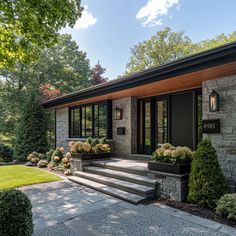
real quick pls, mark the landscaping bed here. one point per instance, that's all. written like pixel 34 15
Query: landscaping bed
pixel 195 210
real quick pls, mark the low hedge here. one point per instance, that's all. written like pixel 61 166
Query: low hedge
pixel 226 206
pixel 15 214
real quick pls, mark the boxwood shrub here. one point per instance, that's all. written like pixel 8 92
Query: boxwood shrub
pixel 15 214
pixel 6 153
pixel 226 206
pixel 206 181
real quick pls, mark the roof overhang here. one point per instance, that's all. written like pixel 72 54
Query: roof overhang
pixel 186 73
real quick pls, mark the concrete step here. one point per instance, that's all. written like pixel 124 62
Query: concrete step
pixel 141 190
pixel 123 195
pixel 140 157
pixel 123 166
pixel 133 178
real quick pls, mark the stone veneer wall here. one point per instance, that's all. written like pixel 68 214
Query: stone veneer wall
pixel 126 144
pixel 225 141
pixel 62 127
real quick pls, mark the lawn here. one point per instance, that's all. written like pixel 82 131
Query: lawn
pixel 18 176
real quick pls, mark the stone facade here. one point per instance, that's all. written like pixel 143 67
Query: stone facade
pixel 126 144
pixel 170 185
pixel 225 141
pixel 62 127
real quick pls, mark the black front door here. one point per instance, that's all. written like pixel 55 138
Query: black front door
pixel 182 119
pixel 173 118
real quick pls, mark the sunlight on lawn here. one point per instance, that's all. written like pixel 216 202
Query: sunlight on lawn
pixel 18 176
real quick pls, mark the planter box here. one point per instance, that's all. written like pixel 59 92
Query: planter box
pixel 91 156
pixel 179 169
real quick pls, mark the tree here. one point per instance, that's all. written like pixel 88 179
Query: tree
pixel 162 47
pixel 26 26
pixel 31 135
pixel 63 65
pixel 206 181
pixel 166 46
pixel 49 92
pixel 96 74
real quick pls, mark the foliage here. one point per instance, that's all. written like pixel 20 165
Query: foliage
pixel 162 47
pixel 49 92
pixel 34 158
pixel 15 214
pixel 206 182
pixel 31 133
pixel 96 74
pixel 57 155
pixel 170 154
pixel 6 153
pixel 49 154
pixel 167 45
pixel 90 146
pixel 14 176
pixel 42 163
pixel 27 26
pixel 226 206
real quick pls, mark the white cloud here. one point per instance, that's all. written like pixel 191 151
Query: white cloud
pixel 86 20
pixel 150 14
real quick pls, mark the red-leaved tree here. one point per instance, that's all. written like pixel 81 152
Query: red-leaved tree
pixel 48 92
pixel 96 74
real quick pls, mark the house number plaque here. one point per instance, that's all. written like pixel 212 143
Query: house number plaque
pixel 211 126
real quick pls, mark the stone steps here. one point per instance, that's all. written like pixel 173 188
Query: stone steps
pixel 123 195
pixel 138 189
pixel 133 178
pixel 123 168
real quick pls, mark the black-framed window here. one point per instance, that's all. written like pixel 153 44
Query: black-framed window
pixel 91 120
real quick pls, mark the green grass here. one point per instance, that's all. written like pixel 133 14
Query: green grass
pixel 18 176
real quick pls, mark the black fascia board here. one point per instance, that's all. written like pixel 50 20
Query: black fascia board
pixel 207 59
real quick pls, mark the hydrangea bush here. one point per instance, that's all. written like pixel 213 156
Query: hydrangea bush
pixel 90 146
pixel 170 154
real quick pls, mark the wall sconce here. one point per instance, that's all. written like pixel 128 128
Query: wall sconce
pixel 118 113
pixel 214 101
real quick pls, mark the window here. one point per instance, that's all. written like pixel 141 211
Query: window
pixel 91 120
pixel 162 122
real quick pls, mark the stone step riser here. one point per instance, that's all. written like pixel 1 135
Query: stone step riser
pixel 127 170
pixel 148 194
pixel 111 193
pixel 117 176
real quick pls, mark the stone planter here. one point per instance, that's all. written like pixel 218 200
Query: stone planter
pixel 91 156
pixel 178 169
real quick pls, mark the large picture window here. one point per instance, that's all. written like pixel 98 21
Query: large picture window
pixel 93 120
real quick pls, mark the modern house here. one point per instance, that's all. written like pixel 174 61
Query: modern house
pixel 178 102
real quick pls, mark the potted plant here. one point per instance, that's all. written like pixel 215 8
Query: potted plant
pixel 90 149
pixel 170 159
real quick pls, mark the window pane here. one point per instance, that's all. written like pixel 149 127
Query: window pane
pixel 162 122
pixel 147 130
pixel 88 123
pixel 96 121
pixel 76 122
pixel 102 126
pixel 83 121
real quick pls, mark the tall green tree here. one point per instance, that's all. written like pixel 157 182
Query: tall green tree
pixel 31 132
pixel 162 47
pixel 167 45
pixel 26 26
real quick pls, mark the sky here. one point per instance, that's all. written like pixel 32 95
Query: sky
pixel 109 28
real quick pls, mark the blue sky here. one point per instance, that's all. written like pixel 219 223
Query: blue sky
pixel 109 28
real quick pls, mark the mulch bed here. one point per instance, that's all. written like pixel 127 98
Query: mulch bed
pixel 196 210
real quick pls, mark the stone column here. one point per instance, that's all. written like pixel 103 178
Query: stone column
pixel 225 141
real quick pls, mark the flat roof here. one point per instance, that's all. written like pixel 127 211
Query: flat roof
pixel 196 62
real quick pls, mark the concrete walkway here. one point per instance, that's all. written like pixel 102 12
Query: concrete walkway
pixel 67 209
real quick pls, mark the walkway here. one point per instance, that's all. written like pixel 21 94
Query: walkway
pixel 67 209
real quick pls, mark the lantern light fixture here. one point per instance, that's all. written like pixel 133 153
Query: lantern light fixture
pixel 118 113
pixel 213 101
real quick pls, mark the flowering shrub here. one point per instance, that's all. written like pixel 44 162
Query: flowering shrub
pixel 170 154
pixel 34 158
pixel 89 146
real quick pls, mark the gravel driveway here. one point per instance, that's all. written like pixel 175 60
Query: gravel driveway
pixel 67 209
